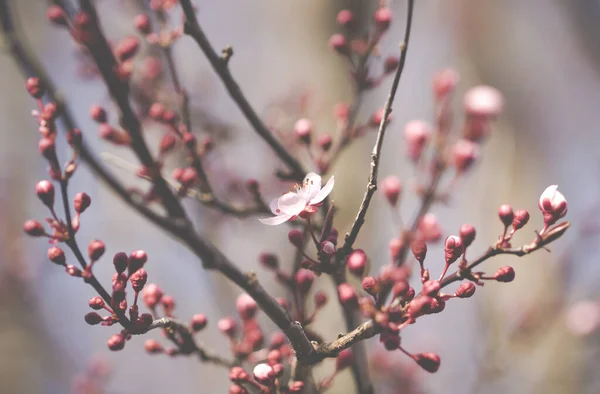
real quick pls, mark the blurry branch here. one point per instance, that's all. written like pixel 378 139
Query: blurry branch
pixel 220 65
pixel 211 257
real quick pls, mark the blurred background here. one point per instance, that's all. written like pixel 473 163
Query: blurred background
pixel 535 335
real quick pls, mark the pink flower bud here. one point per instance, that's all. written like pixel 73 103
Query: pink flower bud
pixel 246 306
pixel 237 389
pixel 96 303
pixel 467 234
pixel 453 248
pixel 506 215
pixel 392 187
pixel 227 326
pixel 505 274
pixel 96 249
pixel 116 342
pixel 56 255
pixel 93 318
pixel 394 246
pixel 465 290
pixel 56 15
pixel 73 271
pixel 45 192
pixel 296 387
pixel 390 64
pixel 344 359
pixel 269 261
pixel 238 375
pixel 520 220
pixel 127 48
pixel 264 374
pixel 137 259
pixel 347 295
pixel 430 362
pixel 81 202
pixel 152 295
pixel 156 111
pixel 190 141
pixel 142 23
pixel 74 137
pixel 429 228
pixel 34 228
pixel 341 111
pixel 138 280
pixel 419 250
pixel 320 299
pixel 35 88
pixel 167 143
pixel 370 285
pixel 357 262
pixel 400 288
pixel 295 237
pixel 382 18
pixel 444 83
pixel 483 101
pixel 339 43
pixel 98 114
pixel 121 262
pixel 47 148
pixel 153 347
pixel 168 303
pixel 431 288
pixel 199 321
pixel 325 142
pixel 553 205
pixel 390 340
pixel 303 130
pixel 416 135
pixel 464 154
pixel 304 280
pixel 344 18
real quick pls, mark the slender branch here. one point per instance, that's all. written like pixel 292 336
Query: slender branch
pixel 189 344
pixel 219 64
pixel 375 154
pixel 332 349
pixel 211 257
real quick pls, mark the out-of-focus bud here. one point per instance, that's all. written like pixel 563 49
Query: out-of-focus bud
pixel 347 295
pixel 464 154
pixel 357 262
pixel 444 83
pixel 392 188
pixel 339 43
pixel 303 130
pixel 199 321
pixel 483 101
pixel 246 306
pixel 416 135
pixel 382 18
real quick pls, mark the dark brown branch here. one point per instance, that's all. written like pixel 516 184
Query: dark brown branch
pixel 219 64
pixel 188 343
pixel 211 257
pixel 376 153
pixel 332 349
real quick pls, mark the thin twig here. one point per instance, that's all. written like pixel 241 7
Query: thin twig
pixel 220 65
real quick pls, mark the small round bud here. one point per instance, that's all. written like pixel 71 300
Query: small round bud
pixel 153 347
pixel 390 64
pixel 296 238
pixel 444 83
pixel 35 88
pixel 344 18
pixel 246 306
pixel 357 262
pixel 47 148
pixel 269 261
pixel 416 135
pixel 419 250
pixel 96 249
pixel 238 375
pixel 138 280
pixel 505 274
pixel 93 318
pixel 168 303
pixel 127 48
pixel 264 374
pixel 344 359
pixel 370 285
pixel 465 290
pixel 74 137
pixel 391 341
pixel 431 288
pixel 156 111
pixel 453 248
pixel 56 15
pixel 199 321
pixel 304 280
pixel 429 228
pixel 506 215
pixel 339 43
pixel 57 255
pixel 116 342
pixel 347 295
pixel 520 220
pixel 382 18
pixel 303 130
pixel 392 187
pixel 121 262
pixel 483 101
pixel 137 259
pixel 430 362
pixel 34 228
pixel 96 303
pixel 400 288
pixel 142 23
pixel 467 234
pixel 81 202
pixel 45 192
pixel 98 114
pixel 325 142
pixel 152 295
pixel 464 154
pixel 237 389
pixel 320 299
pixel 73 271
pixel 227 326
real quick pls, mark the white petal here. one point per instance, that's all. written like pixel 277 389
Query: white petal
pixel 291 203
pixel 274 207
pixel 324 192
pixel 275 220
pixel 547 194
pixel 311 185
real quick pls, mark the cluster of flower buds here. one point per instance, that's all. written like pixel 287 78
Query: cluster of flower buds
pixel 106 130
pixel 265 378
pixel 164 38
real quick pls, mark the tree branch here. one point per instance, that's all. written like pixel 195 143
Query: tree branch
pixel 219 64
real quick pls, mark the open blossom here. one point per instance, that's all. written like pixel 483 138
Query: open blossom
pixel 552 204
pixel 305 198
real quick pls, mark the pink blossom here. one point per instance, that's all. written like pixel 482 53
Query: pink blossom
pixel 304 199
pixel 416 135
pixel 484 101
pixel 552 204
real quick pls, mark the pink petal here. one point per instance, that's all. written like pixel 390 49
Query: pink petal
pixel 291 203
pixel 275 220
pixel 324 192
